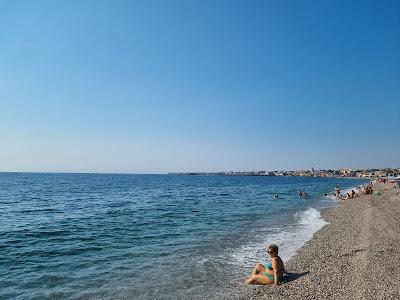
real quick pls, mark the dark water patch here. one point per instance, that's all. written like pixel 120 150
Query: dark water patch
pixel 168 196
pixel 162 209
pixel 41 210
pixel 58 252
pixel 47 233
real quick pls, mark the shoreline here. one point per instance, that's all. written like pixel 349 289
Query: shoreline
pixel 357 253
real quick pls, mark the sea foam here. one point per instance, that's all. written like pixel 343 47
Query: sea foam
pixel 289 239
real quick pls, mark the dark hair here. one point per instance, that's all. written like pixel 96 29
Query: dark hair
pixel 274 248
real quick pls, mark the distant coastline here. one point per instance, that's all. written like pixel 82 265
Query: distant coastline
pixel 341 173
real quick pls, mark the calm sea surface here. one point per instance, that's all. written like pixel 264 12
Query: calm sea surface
pixel 103 236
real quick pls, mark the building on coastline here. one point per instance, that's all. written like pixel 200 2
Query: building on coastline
pixel 361 173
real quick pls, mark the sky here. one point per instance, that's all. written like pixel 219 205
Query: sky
pixel 175 86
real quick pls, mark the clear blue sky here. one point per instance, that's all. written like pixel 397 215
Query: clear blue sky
pixel 159 86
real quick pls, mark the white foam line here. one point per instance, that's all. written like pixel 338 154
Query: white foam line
pixel 289 239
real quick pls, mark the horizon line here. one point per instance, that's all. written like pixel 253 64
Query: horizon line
pixel 185 172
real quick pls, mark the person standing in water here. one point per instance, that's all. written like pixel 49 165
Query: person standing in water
pixel 302 194
pixel 337 191
pixel 272 273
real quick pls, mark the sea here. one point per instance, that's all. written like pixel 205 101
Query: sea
pixel 123 236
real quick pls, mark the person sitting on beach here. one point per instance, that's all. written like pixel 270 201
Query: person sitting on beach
pixel 360 190
pixel 363 189
pixel 368 189
pixel 353 193
pixel 272 273
pixel 347 197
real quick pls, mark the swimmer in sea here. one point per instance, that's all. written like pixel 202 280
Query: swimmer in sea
pixel 302 193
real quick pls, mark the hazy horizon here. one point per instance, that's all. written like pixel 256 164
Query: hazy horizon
pixel 192 171
pixel 177 86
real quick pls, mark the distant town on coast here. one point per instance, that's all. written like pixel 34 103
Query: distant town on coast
pixel 361 173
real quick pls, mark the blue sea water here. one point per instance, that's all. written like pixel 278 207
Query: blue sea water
pixel 109 236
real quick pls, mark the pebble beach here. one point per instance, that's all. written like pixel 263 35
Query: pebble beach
pixel 355 256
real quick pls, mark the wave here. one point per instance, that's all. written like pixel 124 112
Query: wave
pixel 289 238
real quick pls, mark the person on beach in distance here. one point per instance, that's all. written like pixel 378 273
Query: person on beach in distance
pixel 337 191
pixel 360 190
pixel 272 273
pixel 368 189
pixel 347 197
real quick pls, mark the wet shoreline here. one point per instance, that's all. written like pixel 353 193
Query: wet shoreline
pixel 355 256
